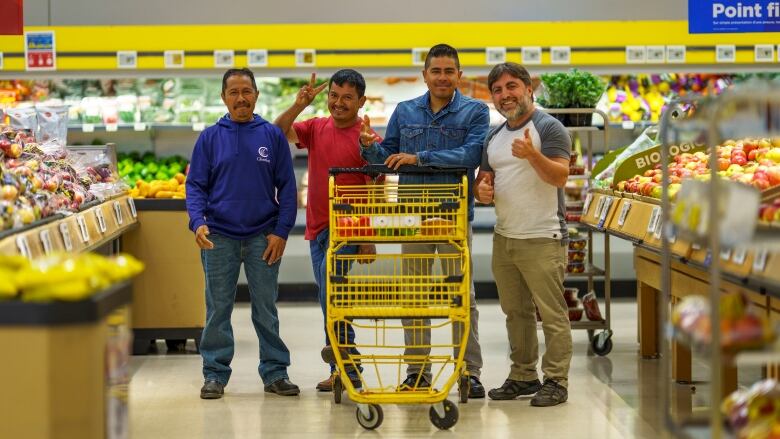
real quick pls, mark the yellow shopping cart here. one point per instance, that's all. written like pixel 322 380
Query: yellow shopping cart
pixel 406 309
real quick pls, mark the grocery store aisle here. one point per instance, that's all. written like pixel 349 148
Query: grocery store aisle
pixel 610 397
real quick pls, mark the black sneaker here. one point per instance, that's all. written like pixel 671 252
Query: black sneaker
pixel 476 389
pixel 212 390
pixel 411 383
pixel 551 394
pixel 283 387
pixel 511 389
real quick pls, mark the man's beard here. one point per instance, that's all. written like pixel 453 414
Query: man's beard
pixel 519 112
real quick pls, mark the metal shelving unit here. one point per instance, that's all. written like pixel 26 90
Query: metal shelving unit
pixel 600 343
pixel 711 127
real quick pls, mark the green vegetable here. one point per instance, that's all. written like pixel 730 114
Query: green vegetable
pixel 576 89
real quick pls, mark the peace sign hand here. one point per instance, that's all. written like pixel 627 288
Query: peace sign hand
pixel 308 92
pixel 367 137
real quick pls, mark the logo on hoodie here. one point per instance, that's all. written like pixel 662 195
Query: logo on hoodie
pixel 262 152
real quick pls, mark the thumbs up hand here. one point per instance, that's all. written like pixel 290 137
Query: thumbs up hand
pixel 523 148
pixel 483 190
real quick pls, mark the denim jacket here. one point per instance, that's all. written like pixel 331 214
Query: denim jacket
pixel 452 138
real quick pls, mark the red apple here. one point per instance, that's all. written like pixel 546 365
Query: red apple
pixel 769 213
pixel 739 159
pixel 773 174
pixel 760 184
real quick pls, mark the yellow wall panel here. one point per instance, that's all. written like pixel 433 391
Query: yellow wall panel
pixel 403 36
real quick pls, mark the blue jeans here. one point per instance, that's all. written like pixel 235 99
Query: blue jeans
pixel 319 252
pixel 221 266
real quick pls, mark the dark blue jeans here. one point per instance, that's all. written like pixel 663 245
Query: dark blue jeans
pixel 221 266
pixel 319 252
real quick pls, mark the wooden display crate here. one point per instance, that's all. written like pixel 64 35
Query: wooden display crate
pixel 631 218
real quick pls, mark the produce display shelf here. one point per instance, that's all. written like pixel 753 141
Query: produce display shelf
pixel 584 176
pixel 162 204
pixel 31 226
pixel 109 237
pixel 93 309
pixel 737 357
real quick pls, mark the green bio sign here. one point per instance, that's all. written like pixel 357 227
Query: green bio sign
pixel 640 162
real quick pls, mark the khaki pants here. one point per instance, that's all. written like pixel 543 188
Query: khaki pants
pixel 529 271
pixel 473 354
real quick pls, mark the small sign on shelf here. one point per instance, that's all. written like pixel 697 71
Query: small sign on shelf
pixel 224 59
pixel 127 59
pixel 636 54
pixel 257 57
pixel 418 56
pixel 531 55
pixel 305 57
pixel 174 59
pixel 725 53
pixel 560 55
pixel 65 233
pixel 495 55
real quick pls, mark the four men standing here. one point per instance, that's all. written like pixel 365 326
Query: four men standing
pixel 242 208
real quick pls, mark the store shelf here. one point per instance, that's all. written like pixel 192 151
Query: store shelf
pixel 735 357
pixel 590 271
pixel 585 176
pixel 16 312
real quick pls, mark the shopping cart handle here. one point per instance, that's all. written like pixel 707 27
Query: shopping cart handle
pixel 375 170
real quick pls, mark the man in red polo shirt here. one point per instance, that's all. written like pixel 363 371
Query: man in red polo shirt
pixel 331 142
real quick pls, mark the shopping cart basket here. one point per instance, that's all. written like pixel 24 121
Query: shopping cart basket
pixel 400 296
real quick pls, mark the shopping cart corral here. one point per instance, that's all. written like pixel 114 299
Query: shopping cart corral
pixel 407 307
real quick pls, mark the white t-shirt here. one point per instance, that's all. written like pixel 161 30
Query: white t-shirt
pixel 526 206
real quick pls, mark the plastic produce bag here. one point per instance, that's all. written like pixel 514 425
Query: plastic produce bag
pixel 52 124
pixel 23 119
pixel 645 141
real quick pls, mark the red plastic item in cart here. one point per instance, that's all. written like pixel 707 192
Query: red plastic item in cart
pixel 591 306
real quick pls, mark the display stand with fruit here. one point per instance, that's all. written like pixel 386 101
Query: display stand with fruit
pixel 584 221
pixel 715 207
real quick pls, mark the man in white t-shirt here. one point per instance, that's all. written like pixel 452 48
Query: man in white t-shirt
pixel 525 165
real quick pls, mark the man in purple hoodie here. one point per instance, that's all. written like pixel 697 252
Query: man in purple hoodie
pixel 241 199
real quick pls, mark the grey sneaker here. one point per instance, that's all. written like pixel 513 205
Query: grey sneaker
pixel 212 390
pixel 551 394
pixel 511 389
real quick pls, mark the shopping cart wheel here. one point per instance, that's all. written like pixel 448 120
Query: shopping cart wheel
pixel 602 343
pixel 444 414
pixel 369 416
pixel 464 387
pixel 338 388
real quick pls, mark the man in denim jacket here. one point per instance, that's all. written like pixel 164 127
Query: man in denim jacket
pixel 441 128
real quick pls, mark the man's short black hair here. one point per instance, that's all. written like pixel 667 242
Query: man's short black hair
pixel 238 72
pixel 513 69
pixel 442 50
pixel 351 77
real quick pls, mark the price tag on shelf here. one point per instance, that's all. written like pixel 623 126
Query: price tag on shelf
pixel 759 263
pixel 599 207
pixel 82 222
pixel 586 204
pixel 605 211
pixel 628 125
pixel 725 254
pixel 696 246
pixel 46 241
pixel 198 126
pixel 88 128
pixel 24 246
pixel 66 241
pixel 111 127
pixel 139 126
pixel 739 256
pixel 654 218
pixel 131 203
pixel 118 213
pixel 101 220
pixel 624 213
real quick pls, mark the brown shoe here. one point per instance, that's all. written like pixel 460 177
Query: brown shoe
pixel 326 385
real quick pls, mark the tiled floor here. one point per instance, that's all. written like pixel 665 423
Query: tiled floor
pixel 610 397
